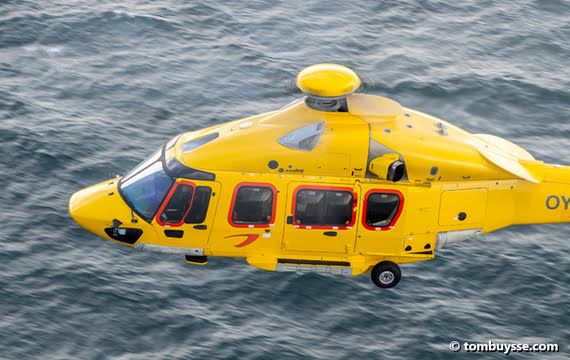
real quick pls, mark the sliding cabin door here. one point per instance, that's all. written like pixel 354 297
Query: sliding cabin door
pixel 321 218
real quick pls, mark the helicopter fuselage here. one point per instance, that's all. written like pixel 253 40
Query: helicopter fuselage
pixel 337 182
pixel 243 190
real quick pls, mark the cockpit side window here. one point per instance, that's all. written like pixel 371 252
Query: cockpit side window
pixel 196 143
pixel 199 208
pixel 305 138
pixel 177 204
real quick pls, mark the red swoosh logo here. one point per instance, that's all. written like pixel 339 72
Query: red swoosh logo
pixel 250 238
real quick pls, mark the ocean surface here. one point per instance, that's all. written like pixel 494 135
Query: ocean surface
pixel 89 88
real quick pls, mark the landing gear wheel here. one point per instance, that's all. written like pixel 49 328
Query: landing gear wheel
pixel 386 274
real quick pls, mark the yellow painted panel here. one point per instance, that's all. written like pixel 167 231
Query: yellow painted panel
pixel 418 243
pixel 473 203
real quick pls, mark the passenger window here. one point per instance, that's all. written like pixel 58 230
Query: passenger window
pixel 253 205
pixel 324 208
pixel 199 208
pixel 178 204
pixel 381 209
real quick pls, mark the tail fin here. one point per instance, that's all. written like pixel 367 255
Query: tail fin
pixel 508 156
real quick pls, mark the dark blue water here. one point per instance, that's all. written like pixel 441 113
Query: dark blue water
pixel 89 88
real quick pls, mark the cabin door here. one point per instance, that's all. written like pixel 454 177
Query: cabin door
pixel 186 216
pixel 321 217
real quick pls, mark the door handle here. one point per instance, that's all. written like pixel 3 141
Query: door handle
pixel 200 227
pixel 330 233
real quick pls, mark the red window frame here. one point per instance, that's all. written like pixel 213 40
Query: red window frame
pixel 167 199
pixel 392 224
pixel 325 188
pixel 233 203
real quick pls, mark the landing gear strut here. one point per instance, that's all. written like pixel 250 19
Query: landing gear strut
pixel 386 274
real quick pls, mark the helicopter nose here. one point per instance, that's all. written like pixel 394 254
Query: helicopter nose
pixel 90 207
pixel 101 210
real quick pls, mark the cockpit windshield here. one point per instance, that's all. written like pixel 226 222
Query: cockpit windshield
pixel 146 190
pixel 145 187
pixel 144 164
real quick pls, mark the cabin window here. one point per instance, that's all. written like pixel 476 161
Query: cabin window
pixel 305 138
pixel 253 205
pixel 382 209
pixel 196 143
pixel 315 207
pixel 199 208
pixel 177 204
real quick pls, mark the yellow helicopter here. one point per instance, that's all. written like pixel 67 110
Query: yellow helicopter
pixel 337 182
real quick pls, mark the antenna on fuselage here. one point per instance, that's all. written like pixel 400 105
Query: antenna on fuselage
pixel 327 86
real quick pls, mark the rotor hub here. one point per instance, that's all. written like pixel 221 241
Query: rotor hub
pixel 328 81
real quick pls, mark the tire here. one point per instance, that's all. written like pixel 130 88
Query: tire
pixel 386 274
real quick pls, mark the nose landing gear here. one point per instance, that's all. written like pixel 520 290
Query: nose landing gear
pixel 386 274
